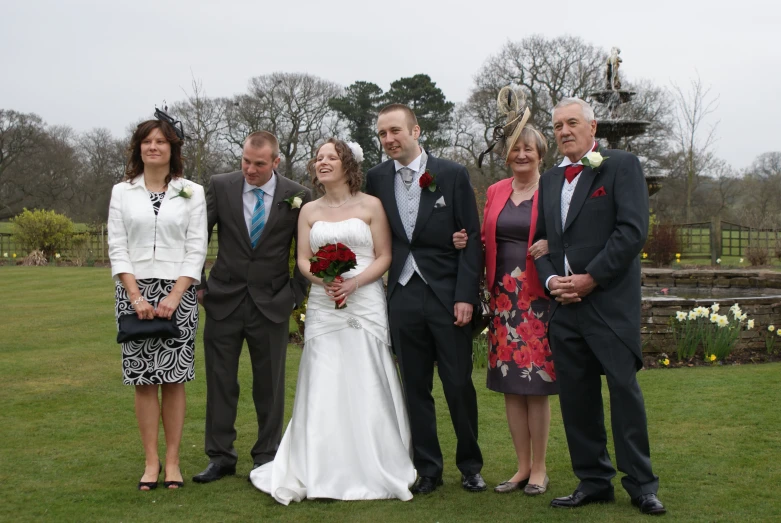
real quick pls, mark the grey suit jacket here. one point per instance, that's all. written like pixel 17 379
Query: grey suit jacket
pixel 263 272
pixel 606 228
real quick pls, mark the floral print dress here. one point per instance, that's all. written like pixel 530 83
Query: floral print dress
pixel 519 359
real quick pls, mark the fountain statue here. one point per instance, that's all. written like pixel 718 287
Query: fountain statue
pixel 614 128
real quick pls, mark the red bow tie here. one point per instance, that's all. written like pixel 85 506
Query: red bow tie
pixel 571 171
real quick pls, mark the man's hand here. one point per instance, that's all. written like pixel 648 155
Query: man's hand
pixel 571 289
pixel 463 313
pixel 460 238
pixel 539 248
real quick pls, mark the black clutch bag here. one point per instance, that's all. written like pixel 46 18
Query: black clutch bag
pixel 133 329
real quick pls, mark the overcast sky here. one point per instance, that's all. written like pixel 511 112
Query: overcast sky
pixel 107 63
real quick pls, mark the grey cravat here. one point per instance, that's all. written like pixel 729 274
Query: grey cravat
pixel 407 175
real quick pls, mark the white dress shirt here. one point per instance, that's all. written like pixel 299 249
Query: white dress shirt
pixel 250 200
pixel 567 190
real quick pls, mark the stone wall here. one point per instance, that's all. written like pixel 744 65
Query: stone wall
pixel 764 308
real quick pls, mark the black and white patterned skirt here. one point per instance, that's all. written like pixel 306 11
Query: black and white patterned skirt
pixel 156 361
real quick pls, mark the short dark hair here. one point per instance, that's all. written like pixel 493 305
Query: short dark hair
pixel 261 139
pixel 412 120
pixel 135 164
pixel 351 167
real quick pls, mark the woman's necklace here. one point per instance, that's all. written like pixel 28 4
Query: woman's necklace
pixel 527 189
pixel 337 206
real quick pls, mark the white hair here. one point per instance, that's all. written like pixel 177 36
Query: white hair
pixel 588 112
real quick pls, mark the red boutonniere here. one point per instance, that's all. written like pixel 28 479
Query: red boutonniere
pixel 428 181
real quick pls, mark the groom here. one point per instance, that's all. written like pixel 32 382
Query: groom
pixel 593 210
pixel 432 290
pixel 249 297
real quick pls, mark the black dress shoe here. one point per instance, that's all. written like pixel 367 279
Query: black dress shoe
pixel 473 482
pixel 579 499
pixel 649 504
pixel 426 485
pixel 214 472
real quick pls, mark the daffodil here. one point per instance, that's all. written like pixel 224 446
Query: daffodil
pixel 13 255
pixel 693 315
pixel 645 255
pixel 665 362
pixel 677 254
pixel 485 331
pixel 722 321
pixel 750 324
pixel 741 260
pixel 715 307
pixel 303 317
pixel 778 332
pixel 712 357
pixel 57 255
pixel 771 328
pixel 718 260
pixel 5 255
pixel 680 316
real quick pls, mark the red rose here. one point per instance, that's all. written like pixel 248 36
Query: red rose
pixel 524 302
pixel 550 369
pixel 501 335
pixel 538 327
pixel 522 357
pixel 329 248
pixel 537 352
pixel 343 256
pixel 342 246
pixel 425 180
pixel 524 330
pixel 509 283
pixel 497 322
pixel 503 303
pixel 504 352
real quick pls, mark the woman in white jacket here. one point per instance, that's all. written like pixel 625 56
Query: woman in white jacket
pixel 157 245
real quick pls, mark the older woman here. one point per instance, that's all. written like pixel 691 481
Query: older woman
pixel 157 246
pixel 520 360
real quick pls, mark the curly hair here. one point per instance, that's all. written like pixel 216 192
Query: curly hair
pixel 135 165
pixel 351 168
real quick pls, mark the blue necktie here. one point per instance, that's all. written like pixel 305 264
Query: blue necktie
pixel 258 218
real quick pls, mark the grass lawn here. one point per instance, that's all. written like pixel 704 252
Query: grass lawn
pixel 71 451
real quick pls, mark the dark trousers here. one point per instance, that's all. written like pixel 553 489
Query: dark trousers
pixel 584 347
pixel 223 341
pixel 423 332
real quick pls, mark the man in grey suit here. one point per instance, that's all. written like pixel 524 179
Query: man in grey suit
pixel 593 210
pixel 249 295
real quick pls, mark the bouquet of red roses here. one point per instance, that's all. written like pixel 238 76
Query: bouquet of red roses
pixel 330 262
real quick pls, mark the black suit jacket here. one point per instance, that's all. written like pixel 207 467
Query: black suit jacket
pixel 263 272
pixel 603 236
pixel 452 274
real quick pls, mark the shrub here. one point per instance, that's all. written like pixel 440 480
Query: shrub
pixel 79 251
pixel 35 258
pixel 42 230
pixel 662 244
pixel 758 255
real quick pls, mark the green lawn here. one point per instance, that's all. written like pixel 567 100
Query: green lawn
pixel 71 451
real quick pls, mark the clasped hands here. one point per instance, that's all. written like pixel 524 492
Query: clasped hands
pixel 539 248
pixel 339 289
pixel 570 289
pixel 165 309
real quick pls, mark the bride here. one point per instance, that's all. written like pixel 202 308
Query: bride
pixel 349 436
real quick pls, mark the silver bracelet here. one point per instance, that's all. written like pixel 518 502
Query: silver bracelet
pixel 138 300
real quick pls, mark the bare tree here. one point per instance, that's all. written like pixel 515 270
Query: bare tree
pixel 694 137
pixel 20 134
pixel 204 121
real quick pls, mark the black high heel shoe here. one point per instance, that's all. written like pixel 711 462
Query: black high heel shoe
pixel 150 485
pixel 177 484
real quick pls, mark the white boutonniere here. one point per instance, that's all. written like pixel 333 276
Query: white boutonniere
pixel 295 201
pixel 593 159
pixel 185 191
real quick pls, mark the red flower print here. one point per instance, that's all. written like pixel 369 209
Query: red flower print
pixel 497 322
pixel 537 352
pixel 504 352
pixel 503 303
pixel 501 335
pixel 550 369
pixel 492 359
pixel 524 301
pixel 522 357
pixel 538 327
pixel 509 283
pixel 492 303
pixel 524 330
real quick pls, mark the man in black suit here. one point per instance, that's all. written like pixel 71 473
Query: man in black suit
pixel 249 296
pixel 593 210
pixel 432 291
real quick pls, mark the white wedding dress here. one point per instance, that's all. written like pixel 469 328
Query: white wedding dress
pixel 349 436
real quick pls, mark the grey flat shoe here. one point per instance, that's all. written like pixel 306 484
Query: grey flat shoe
pixel 535 490
pixel 510 486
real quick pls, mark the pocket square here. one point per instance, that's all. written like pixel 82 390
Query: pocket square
pixel 599 192
pixel 440 203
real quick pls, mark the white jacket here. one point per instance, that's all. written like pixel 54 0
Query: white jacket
pixel 166 246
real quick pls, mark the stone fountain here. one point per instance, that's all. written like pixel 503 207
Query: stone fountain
pixel 614 128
